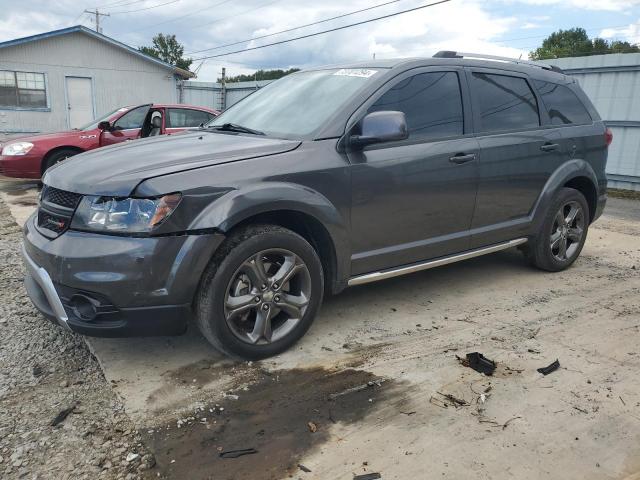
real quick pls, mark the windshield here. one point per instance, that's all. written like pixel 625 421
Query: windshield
pixel 298 104
pixel 94 123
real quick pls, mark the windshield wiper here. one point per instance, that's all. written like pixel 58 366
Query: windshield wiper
pixel 233 127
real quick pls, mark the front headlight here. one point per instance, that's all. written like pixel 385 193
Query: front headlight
pixel 123 215
pixel 17 148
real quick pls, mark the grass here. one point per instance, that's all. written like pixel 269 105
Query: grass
pixel 628 194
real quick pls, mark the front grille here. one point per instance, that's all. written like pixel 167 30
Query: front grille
pixel 60 197
pixel 56 210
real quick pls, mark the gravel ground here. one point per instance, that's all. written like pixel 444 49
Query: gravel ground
pixel 43 371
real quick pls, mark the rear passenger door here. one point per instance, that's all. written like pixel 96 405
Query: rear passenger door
pixel 517 154
pixel 179 119
pixel 414 199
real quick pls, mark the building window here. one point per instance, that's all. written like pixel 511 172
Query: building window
pixel 22 89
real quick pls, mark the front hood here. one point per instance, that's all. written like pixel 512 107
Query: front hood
pixel 74 134
pixel 118 169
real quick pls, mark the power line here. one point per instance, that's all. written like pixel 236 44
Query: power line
pixel 217 20
pixel 145 8
pixel 326 31
pixel 118 3
pixel 176 19
pixel 295 28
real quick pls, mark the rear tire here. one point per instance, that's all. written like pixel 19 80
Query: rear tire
pixel 564 231
pixel 56 157
pixel 241 306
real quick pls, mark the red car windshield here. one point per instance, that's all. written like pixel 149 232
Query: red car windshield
pixel 94 123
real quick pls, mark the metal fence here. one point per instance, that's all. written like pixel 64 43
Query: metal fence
pixel 612 82
pixel 212 95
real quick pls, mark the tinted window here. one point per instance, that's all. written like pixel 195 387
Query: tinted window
pixel 506 103
pixel 183 117
pixel 132 119
pixel 563 105
pixel 431 102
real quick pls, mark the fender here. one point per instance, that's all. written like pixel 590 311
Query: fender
pixel 564 173
pixel 238 205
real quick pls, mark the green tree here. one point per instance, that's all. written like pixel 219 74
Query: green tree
pixel 168 49
pixel 261 75
pixel 575 42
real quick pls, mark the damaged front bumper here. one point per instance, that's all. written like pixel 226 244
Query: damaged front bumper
pixel 116 286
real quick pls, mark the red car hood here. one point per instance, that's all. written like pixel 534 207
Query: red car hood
pixel 71 134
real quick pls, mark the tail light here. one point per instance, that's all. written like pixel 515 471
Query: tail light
pixel 608 136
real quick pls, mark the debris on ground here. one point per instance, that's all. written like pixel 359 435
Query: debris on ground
pixel 478 362
pixel 303 468
pixel 132 456
pixel 63 414
pixel 313 428
pixel 368 476
pixel 238 453
pixel 550 368
pixel 356 389
pixel 448 400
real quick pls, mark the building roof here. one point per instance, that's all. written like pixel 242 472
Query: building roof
pixel 87 31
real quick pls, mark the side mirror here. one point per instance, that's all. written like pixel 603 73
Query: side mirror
pixel 104 125
pixel 380 127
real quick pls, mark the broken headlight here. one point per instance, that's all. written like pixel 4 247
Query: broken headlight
pixel 123 215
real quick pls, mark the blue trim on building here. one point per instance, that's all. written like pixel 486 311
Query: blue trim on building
pixel 99 36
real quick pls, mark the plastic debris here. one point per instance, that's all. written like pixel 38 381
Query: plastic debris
pixel 549 369
pixel 368 476
pixel 303 468
pixel 478 362
pixel 238 453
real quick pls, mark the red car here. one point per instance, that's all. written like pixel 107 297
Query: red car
pixel 29 157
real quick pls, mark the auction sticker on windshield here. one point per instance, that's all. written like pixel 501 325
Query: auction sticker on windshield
pixel 355 72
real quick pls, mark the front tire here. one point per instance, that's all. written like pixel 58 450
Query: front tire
pixel 56 157
pixel 260 292
pixel 563 232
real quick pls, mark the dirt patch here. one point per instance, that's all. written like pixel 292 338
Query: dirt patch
pixel 282 415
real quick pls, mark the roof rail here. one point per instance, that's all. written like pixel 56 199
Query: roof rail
pixel 482 56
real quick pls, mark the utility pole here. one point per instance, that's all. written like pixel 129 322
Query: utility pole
pixel 97 15
pixel 223 89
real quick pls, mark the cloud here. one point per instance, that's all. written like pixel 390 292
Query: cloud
pixel 612 5
pixel 464 25
pixel 630 33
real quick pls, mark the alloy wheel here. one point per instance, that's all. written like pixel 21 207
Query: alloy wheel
pixel 567 231
pixel 267 296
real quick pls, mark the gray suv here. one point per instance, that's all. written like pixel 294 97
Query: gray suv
pixel 327 178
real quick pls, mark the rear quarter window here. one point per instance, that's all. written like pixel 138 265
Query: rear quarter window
pixel 564 106
pixel 506 103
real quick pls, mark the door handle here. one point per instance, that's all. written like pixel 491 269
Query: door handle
pixel 549 147
pixel 461 158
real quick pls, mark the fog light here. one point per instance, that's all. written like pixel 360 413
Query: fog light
pixel 84 307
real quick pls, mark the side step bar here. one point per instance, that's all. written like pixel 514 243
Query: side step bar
pixel 416 267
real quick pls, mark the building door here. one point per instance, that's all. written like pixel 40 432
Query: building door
pixel 79 101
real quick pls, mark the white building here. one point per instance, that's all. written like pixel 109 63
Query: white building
pixel 66 78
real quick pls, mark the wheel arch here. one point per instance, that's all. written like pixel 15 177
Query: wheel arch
pixel 300 209
pixel 576 174
pixel 46 156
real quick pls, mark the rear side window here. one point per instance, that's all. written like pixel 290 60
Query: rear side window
pixel 563 105
pixel 506 103
pixel 431 102
pixel 184 117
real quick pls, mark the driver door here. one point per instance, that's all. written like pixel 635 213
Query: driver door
pixel 127 127
pixel 414 199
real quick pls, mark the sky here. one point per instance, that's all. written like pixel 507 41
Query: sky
pixel 500 27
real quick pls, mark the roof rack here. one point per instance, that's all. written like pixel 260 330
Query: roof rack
pixel 482 56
